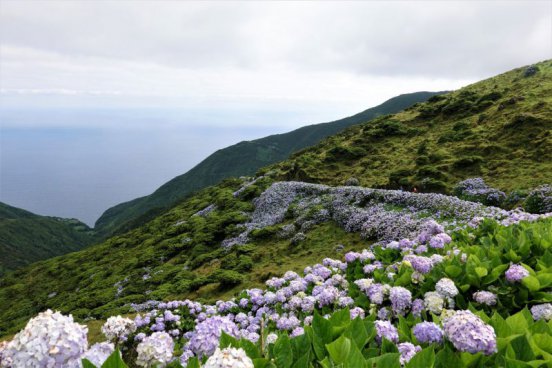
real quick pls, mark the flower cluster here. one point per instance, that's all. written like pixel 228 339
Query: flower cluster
pixel 117 329
pixel 469 333
pixel 229 358
pixel 155 350
pixel 516 273
pixel 48 340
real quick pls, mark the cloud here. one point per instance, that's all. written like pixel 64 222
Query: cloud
pixel 248 54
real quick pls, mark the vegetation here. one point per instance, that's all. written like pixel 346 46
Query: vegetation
pixel 26 238
pixel 499 129
pixel 244 158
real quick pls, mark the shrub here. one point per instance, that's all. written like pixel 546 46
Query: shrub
pixel 352 181
pixel 539 200
pixel 467 162
pixel 476 190
pixel 227 278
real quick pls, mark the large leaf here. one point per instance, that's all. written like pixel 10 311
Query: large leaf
pixel 114 361
pixel 339 350
pixel 424 358
pixel 283 352
pixel 87 364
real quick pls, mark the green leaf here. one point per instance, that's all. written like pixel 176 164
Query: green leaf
pixel 517 323
pixel 194 363
pixel 389 360
pixel 388 347
pixel 322 335
pixel 481 271
pixel 283 352
pixel 257 363
pixel 453 271
pixel 339 349
pixel 531 283
pixel 251 349
pixel 302 362
pixel 87 364
pixel 446 358
pixel 357 333
pixel 512 363
pixel 522 348
pixel 424 358
pixel 114 361
pixel 227 340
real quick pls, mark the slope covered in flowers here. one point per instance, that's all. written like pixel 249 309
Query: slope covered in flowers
pixel 477 297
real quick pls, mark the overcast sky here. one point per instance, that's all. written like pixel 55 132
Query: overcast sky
pixel 247 55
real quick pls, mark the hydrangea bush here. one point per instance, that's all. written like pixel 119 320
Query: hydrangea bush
pixel 458 287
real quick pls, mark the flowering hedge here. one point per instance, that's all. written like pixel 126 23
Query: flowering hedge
pixel 461 300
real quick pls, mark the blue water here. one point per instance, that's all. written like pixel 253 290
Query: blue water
pixel 78 163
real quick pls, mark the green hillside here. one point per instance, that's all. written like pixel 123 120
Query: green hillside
pixel 26 238
pixel 244 158
pixel 498 128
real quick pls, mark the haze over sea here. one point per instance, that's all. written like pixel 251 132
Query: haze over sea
pixel 77 163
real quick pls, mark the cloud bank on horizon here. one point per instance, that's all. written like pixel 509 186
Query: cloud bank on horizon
pixel 248 55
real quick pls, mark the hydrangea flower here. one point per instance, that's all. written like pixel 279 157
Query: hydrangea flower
pixel 407 350
pixel 401 299
pixel 446 288
pixel 117 328
pixel 428 332
pixel 229 358
pixel 387 330
pixel 434 302
pixel 516 273
pixel 469 333
pixel 98 353
pixel 206 335
pixel 155 350
pixel 421 264
pixel 485 297
pixel 49 340
pixel 542 311
pixel 417 307
pixel 271 338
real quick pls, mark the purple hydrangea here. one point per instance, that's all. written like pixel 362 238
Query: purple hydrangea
pixel 417 308
pixel 205 337
pixel 516 273
pixel 469 333
pixel 407 350
pixel 542 311
pixel 401 299
pixel 387 330
pixel 421 264
pixel 428 332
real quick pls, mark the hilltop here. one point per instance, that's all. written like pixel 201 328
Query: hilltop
pixel 499 129
pixel 26 237
pixel 241 159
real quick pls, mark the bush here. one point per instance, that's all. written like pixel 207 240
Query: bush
pixel 539 200
pixel 476 190
pixel 352 182
pixel 467 162
pixel 227 278
pixel 344 153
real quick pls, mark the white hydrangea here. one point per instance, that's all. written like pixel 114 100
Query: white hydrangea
pixel 271 338
pixel 5 359
pixel 49 340
pixel 98 353
pixel 446 288
pixel 433 302
pixel 155 350
pixel 117 328
pixel 229 358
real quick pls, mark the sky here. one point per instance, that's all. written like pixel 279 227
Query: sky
pixel 133 93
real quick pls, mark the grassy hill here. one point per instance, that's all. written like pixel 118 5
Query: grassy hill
pixel 244 158
pixel 499 128
pixel 26 237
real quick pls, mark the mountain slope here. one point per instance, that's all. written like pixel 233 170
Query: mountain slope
pixel 289 225
pixel 499 129
pixel 26 237
pixel 243 158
